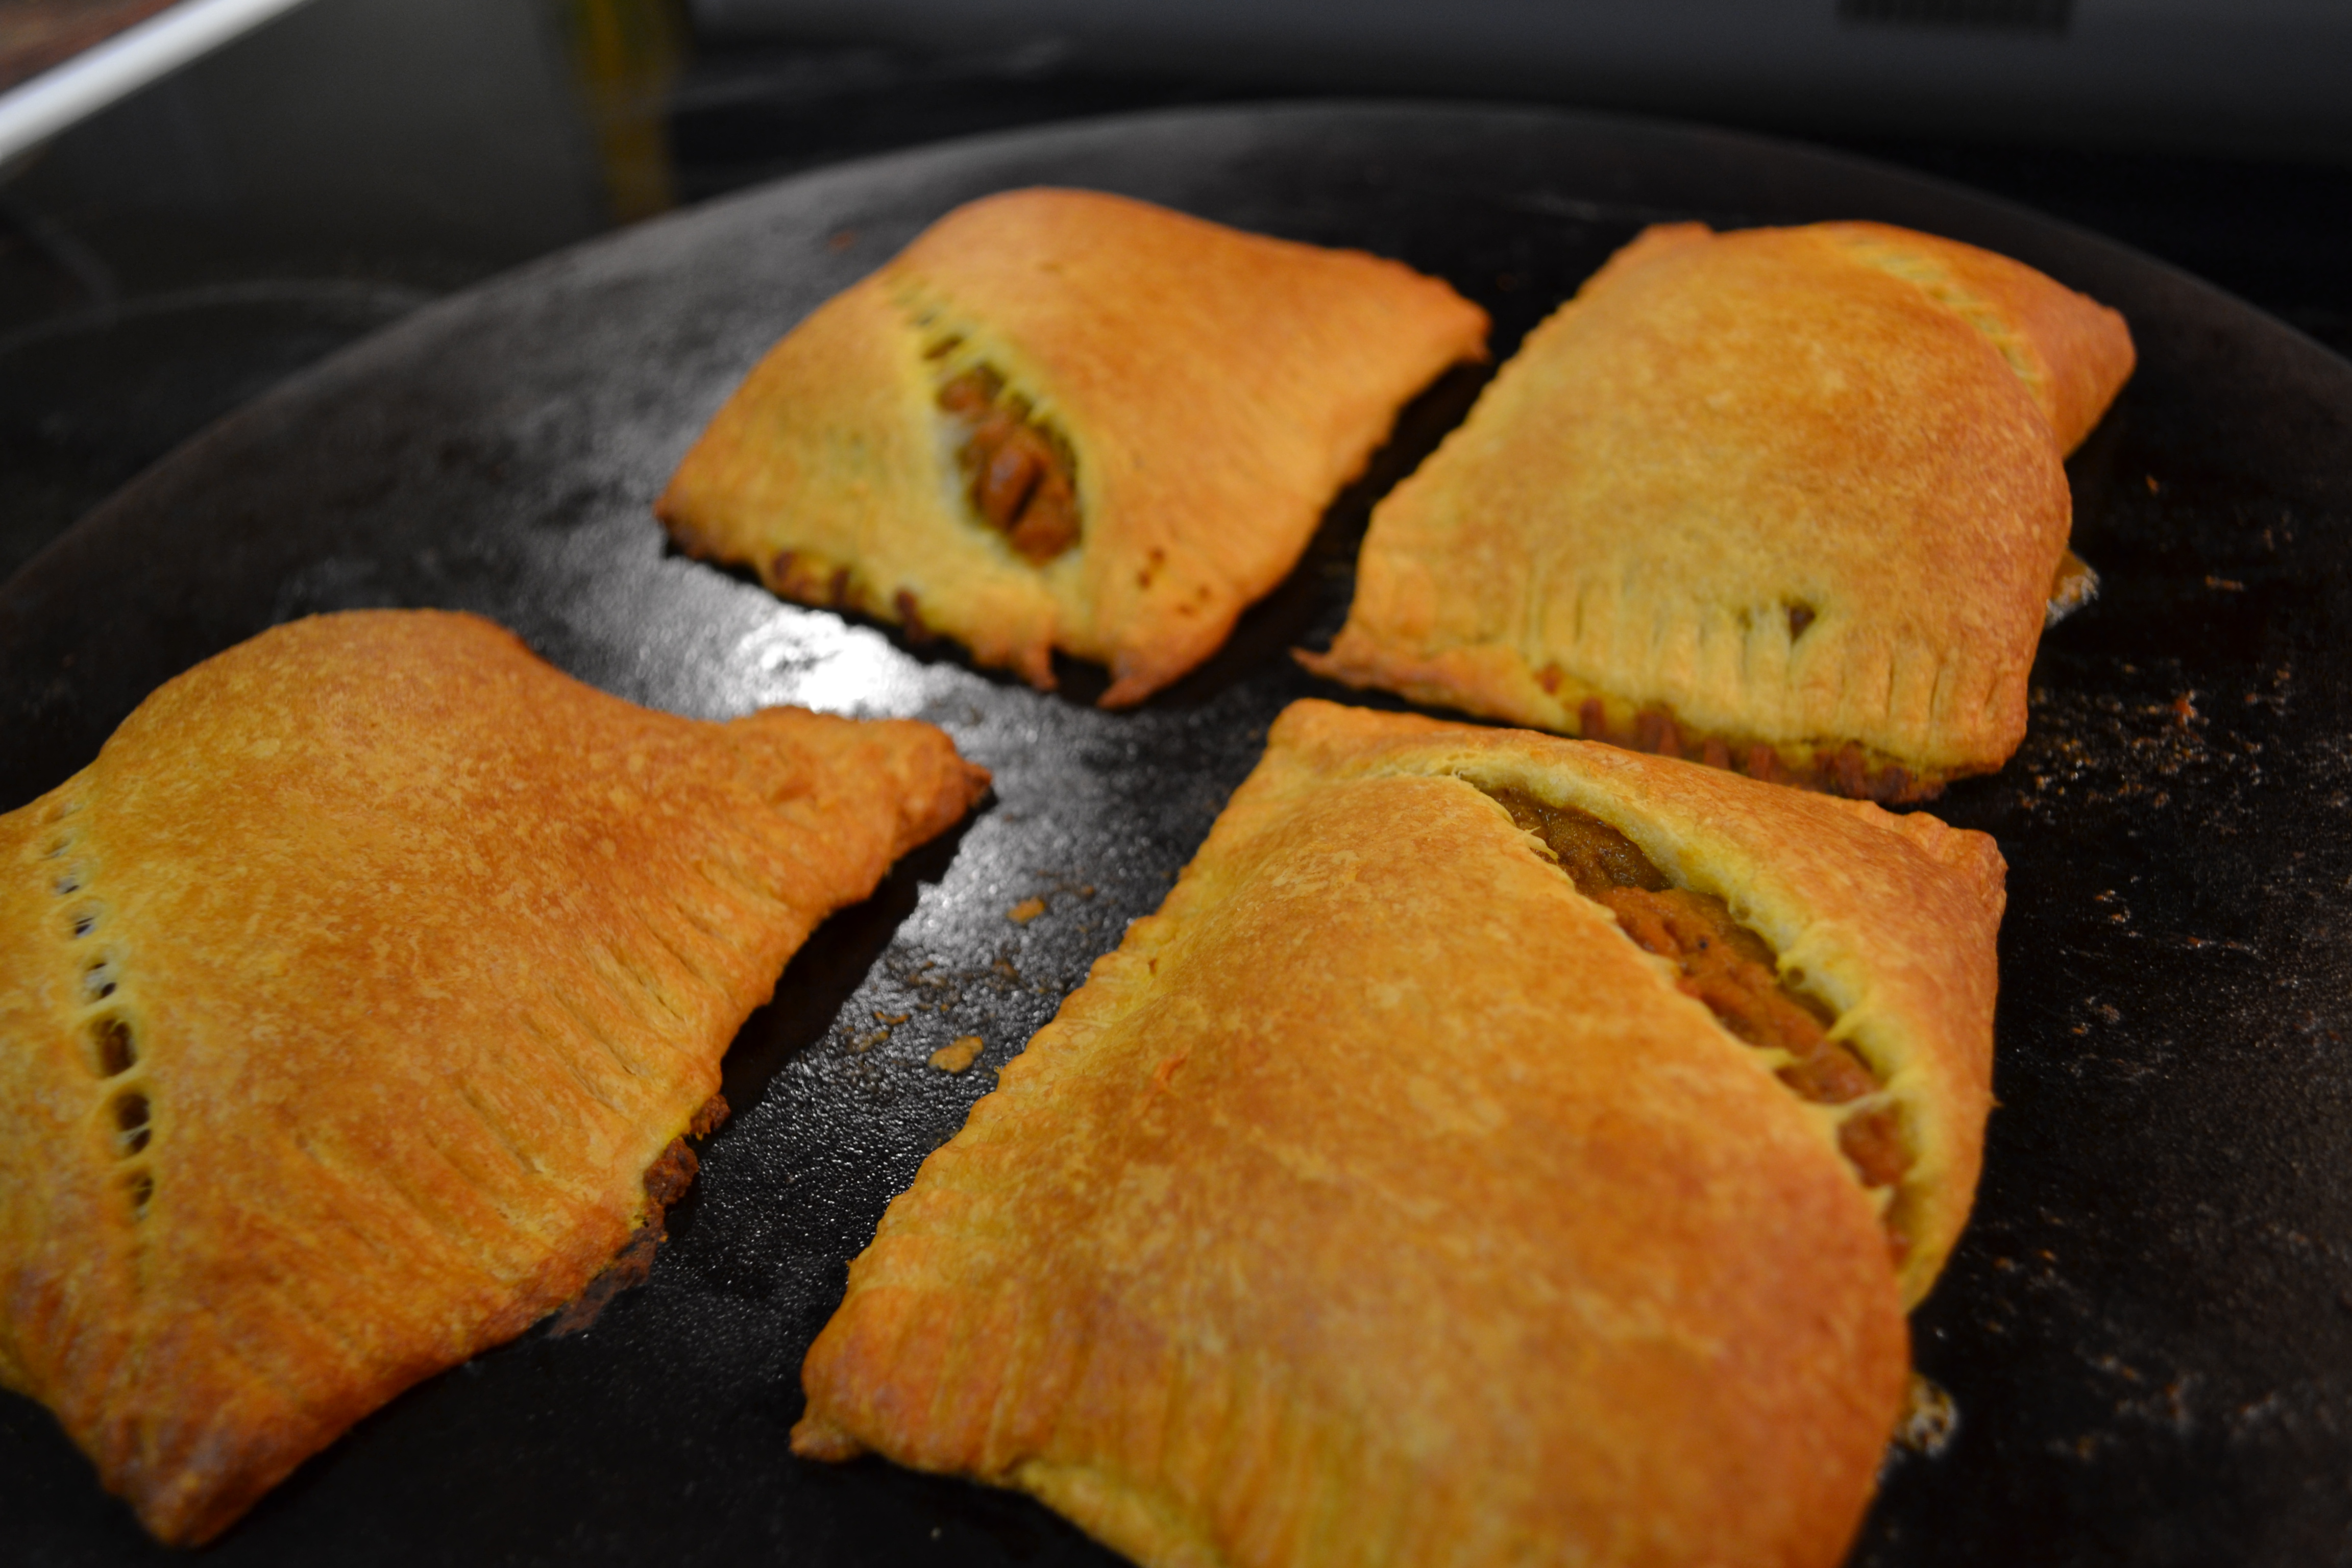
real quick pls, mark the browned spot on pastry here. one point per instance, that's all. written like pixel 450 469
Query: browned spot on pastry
pixel 1846 773
pixel 629 1268
pixel 1550 678
pixel 1019 474
pixel 1893 783
pixel 666 1180
pixel 1801 615
pixel 1849 769
pixel 1723 964
pixel 708 1120
pixel 793 574
pixel 1592 718
pixel 1656 731
pixel 669 1176
pixel 1027 909
pixel 910 616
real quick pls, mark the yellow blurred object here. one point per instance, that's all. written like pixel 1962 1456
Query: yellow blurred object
pixel 625 56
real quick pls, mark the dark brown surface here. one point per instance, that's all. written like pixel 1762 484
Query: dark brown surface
pixel 37 35
pixel 2145 1331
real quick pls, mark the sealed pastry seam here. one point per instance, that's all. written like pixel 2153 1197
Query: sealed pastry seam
pixel 1836 1116
pixel 1809 958
pixel 1923 272
pixel 122 1120
pixel 1927 1209
pixel 958 352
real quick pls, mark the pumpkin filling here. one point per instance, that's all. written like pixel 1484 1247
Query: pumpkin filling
pixel 1848 770
pixel 1723 964
pixel 1017 473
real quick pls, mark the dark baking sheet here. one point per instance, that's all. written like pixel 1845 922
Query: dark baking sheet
pixel 2148 1328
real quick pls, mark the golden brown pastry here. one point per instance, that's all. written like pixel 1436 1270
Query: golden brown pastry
pixel 1381 1200
pixel 351 1000
pixel 1065 420
pixel 1790 501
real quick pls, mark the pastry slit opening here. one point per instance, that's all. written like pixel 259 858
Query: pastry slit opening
pixel 1928 276
pixel 131 1122
pixel 1729 967
pixel 1019 473
pixel 112 1051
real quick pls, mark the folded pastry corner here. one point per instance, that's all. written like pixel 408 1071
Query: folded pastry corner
pixel 1497 1148
pixel 355 999
pixel 1786 500
pixel 1062 419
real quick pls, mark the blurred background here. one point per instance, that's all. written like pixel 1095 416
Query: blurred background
pixel 323 168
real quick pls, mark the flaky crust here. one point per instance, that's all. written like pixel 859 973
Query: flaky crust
pixel 1216 388
pixel 1796 489
pixel 422 953
pixel 1378 1201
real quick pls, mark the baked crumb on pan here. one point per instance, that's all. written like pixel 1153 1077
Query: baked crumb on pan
pixel 1788 501
pixel 1065 420
pixel 353 1000
pixel 1392 1195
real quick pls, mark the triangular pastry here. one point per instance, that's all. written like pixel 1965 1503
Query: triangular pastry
pixel 1067 420
pixel 1788 501
pixel 1498 1148
pixel 351 1003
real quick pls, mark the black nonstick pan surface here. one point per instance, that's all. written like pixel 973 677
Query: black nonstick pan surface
pixel 2146 1332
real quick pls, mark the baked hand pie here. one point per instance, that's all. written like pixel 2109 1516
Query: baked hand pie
pixel 1498 1148
pixel 1789 500
pixel 1067 420
pixel 353 1001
